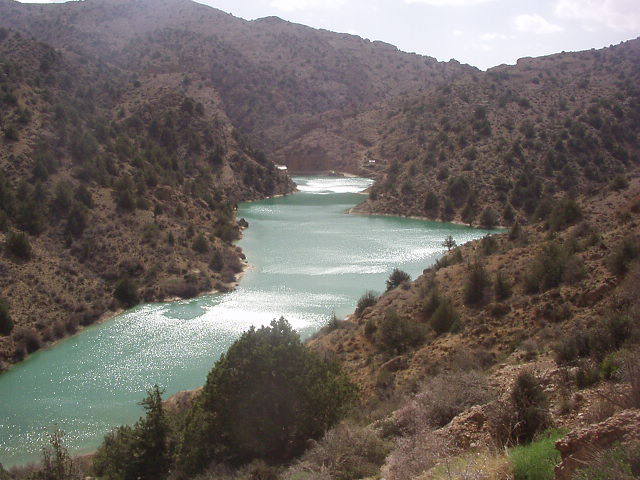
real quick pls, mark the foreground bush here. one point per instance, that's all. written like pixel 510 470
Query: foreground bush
pixel 264 399
pixel 537 460
pixel 531 407
pixel 346 452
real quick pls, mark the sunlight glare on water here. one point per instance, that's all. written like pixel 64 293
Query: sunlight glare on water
pixel 308 259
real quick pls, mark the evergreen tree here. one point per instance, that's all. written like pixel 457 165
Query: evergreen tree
pixel 449 243
pixel 397 278
pixel 139 452
pixel 264 399
pixel 6 323
pixel 126 292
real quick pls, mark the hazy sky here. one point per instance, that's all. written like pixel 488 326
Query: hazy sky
pixel 483 33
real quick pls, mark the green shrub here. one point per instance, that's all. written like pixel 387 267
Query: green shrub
pixel 11 133
pixel 530 406
pixel 126 292
pixel 610 367
pixel 488 218
pixel 396 334
pixel 6 323
pixel 397 278
pixel 76 221
pixel 138 452
pixel 264 399
pixel 431 204
pixel 458 189
pixel 367 300
pixel 537 460
pixel 201 244
pixel 587 375
pixel 501 286
pixel 623 254
pixel 619 182
pixel 217 261
pixel 475 285
pixel 445 318
pixel 488 245
pixel 18 245
pixel 27 339
pixel 553 265
pixel 515 233
pixel 565 213
pixel 431 302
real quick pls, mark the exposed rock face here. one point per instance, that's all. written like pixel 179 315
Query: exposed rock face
pixel 580 444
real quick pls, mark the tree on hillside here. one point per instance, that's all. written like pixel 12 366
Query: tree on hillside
pixel 57 464
pixel 126 292
pixel 139 452
pixel 449 243
pixel 6 323
pixel 18 245
pixel 264 399
pixel 397 278
pixel 476 283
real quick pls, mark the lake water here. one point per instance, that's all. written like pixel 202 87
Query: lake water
pixel 307 260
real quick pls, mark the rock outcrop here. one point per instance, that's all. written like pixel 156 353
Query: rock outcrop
pixel 580 444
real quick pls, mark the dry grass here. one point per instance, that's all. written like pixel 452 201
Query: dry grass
pixel 415 454
pixel 441 399
pixel 482 465
pixel 347 452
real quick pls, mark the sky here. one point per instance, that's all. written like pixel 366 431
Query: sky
pixel 483 33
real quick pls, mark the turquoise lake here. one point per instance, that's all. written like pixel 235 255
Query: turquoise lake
pixel 307 260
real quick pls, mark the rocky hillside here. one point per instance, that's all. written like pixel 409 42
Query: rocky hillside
pixel 275 78
pixel 492 147
pixel 522 333
pixel 111 184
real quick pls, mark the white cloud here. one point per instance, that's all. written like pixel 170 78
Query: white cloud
pixel 534 23
pixel 449 3
pixel 488 37
pixel 616 14
pixel 292 5
pixel 457 33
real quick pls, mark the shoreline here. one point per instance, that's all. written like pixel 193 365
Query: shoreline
pixel 353 211
pixel 108 315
